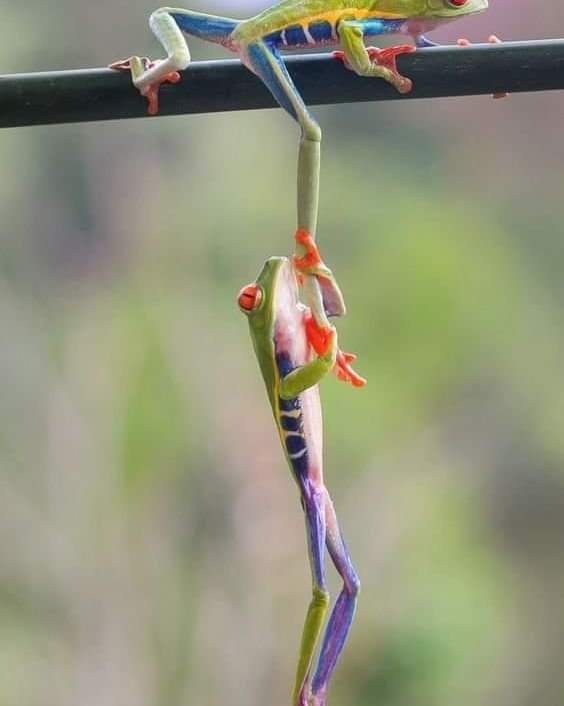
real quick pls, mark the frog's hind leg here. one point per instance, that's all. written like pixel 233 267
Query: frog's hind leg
pixel 265 61
pixel 343 612
pixel 313 501
pixel 169 25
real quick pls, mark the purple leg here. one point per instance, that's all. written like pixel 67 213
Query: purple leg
pixel 343 611
pixel 313 501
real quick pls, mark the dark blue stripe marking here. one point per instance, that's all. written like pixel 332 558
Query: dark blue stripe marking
pixel 290 423
pixel 300 465
pixel 321 31
pixel 284 363
pixel 285 367
pixel 295 36
pixel 295 444
pixel 289 405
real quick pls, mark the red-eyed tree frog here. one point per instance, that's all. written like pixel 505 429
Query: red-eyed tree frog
pixel 294 354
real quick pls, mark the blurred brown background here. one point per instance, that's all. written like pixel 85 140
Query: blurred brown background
pixel 152 549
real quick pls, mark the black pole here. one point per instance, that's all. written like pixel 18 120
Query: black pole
pixel 213 86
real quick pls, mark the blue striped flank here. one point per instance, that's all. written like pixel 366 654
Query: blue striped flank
pixel 322 32
pixel 290 423
pixel 295 444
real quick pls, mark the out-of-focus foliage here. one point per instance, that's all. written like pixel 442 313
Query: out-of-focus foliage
pixel 152 548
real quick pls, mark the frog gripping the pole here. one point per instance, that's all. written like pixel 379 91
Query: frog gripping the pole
pixel 294 355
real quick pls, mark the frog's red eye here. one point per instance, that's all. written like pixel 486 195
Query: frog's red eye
pixel 250 297
pixel 458 3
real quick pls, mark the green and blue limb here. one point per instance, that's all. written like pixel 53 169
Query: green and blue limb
pixel 168 24
pixel 264 60
pixel 314 510
pixel 323 530
pixel 342 616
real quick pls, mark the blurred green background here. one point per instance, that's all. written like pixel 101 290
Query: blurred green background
pixel 152 550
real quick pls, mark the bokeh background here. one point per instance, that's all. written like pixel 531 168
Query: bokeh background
pixel 152 549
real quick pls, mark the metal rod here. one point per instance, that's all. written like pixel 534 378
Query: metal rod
pixel 213 86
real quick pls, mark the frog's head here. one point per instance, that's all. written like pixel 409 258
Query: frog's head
pixel 275 289
pixel 270 303
pixel 451 9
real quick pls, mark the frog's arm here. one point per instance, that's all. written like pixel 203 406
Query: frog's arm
pixel 329 357
pixel 370 61
pixel 310 374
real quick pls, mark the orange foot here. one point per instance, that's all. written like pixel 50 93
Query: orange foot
pixel 492 39
pixel 321 339
pixel 151 92
pixel 388 59
pixel 310 263
pixel 344 371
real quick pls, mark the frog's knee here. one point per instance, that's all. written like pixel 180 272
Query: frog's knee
pixel 321 597
pixel 311 131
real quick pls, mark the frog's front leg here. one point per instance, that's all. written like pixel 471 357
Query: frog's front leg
pixel 310 374
pixel 169 25
pixel 320 337
pixel 369 61
pixel 329 357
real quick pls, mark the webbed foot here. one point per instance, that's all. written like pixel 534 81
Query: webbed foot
pixel 344 371
pixel 139 66
pixel 387 59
